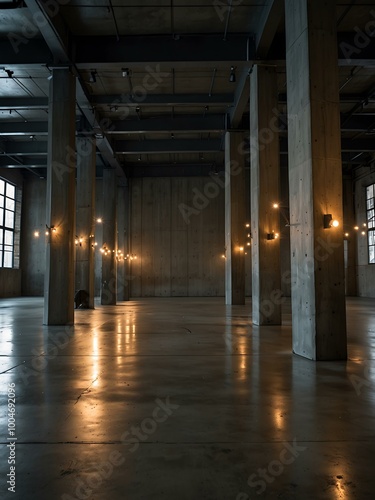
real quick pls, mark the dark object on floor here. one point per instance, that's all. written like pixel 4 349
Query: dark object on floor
pixel 81 299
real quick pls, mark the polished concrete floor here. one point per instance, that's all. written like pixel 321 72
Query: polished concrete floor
pixel 183 399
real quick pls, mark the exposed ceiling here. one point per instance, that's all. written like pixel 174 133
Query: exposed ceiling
pixel 154 78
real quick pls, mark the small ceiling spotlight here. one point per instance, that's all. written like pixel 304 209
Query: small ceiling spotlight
pixel 232 76
pixel 93 76
pixel 139 157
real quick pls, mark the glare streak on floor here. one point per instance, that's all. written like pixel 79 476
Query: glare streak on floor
pixel 183 399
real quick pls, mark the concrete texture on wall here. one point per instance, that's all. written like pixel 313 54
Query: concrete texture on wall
pixel 33 249
pixel 177 233
pixel 365 271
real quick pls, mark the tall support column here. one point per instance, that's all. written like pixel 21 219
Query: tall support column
pixel 109 267
pixel 315 179
pixel 265 191
pixel 122 226
pixel 235 218
pixel 351 242
pixel 85 226
pixel 60 217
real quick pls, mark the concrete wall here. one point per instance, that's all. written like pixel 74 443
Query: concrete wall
pixel 33 250
pixel 179 244
pixel 10 279
pixel 365 271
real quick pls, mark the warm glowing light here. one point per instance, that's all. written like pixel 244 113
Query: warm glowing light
pixel 276 235
pixel 346 235
pixel 356 228
pixel 76 241
pixel 99 220
pixel 364 224
pixel 363 233
pixel 248 243
pixel 241 249
pixel 247 225
pixel 53 229
pixel 47 233
pixel 335 223
pixel 276 205
pixel 223 257
pixel 36 234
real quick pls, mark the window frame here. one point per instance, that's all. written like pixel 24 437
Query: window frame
pixel 4 229
pixel 370 221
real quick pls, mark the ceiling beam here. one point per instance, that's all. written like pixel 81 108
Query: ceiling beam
pixel 29 53
pixel 163 100
pixel 20 103
pixel 158 49
pixel 60 42
pixel 24 148
pixel 23 128
pixel 241 99
pixel 269 22
pixel 184 123
pixel 170 170
pixel 169 146
pixel 7 162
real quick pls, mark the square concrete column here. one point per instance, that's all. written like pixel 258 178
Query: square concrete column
pixel 351 240
pixel 235 218
pixel 60 217
pixel 123 243
pixel 265 192
pixel 315 180
pixel 85 225
pixel 109 261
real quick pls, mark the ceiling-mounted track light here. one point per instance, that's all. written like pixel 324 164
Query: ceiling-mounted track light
pixel 93 74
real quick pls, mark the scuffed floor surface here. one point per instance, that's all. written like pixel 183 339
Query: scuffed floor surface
pixel 182 399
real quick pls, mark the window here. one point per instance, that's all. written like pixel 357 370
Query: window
pixel 7 223
pixel 370 197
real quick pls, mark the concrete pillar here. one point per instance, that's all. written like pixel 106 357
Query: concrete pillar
pixel 315 180
pixel 265 192
pixel 85 225
pixel 123 243
pixel 60 216
pixel 351 240
pixel 235 218
pixel 109 271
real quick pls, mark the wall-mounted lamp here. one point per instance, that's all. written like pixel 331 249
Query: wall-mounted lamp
pixel 329 222
pixel 273 236
pixel 36 234
pixel 50 230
